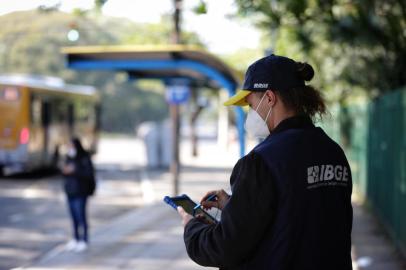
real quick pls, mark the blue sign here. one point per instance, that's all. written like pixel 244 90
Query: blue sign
pixel 177 94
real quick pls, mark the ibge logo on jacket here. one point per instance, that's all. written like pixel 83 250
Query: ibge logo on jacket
pixel 327 175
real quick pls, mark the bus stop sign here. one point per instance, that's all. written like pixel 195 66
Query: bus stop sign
pixel 177 94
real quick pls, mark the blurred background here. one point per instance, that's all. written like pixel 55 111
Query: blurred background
pixel 151 135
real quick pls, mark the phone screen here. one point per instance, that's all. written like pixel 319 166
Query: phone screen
pixel 187 204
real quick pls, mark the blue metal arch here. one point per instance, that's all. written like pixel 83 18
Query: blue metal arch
pixel 146 64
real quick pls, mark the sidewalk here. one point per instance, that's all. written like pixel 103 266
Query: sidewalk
pixel 150 237
pixel 372 250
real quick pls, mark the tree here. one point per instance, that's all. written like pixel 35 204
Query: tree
pixel 30 42
pixel 98 4
pixel 359 44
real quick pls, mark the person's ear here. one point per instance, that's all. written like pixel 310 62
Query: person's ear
pixel 270 97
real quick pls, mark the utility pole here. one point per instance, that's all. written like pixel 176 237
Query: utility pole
pixel 177 22
pixel 174 108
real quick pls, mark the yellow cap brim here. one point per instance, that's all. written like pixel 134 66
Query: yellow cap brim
pixel 238 99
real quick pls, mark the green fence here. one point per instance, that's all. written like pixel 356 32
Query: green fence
pixel 386 185
pixel 374 138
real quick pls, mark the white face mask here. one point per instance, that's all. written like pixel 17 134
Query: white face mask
pixel 72 152
pixel 255 125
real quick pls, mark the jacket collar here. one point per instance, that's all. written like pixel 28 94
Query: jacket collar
pixel 296 122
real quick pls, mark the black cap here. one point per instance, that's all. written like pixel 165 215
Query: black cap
pixel 272 72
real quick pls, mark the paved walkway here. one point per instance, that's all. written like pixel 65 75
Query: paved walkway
pixel 150 237
pixel 372 250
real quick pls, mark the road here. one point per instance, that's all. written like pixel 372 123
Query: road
pixel 33 213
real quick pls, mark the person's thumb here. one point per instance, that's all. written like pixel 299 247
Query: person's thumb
pixel 181 210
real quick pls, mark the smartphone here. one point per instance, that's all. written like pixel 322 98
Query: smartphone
pixel 189 206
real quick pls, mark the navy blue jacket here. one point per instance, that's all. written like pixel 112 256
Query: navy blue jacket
pixel 82 181
pixel 290 207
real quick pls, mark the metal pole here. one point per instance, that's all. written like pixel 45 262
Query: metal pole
pixel 193 117
pixel 174 108
pixel 177 21
pixel 174 111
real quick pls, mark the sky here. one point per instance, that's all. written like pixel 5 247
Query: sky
pixel 220 33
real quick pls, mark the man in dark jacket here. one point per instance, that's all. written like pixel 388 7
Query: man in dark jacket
pixel 290 206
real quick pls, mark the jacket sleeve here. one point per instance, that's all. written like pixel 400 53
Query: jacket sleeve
pixel 244 220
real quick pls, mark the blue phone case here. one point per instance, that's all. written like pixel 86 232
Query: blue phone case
pixel 169 200
pixel 184 197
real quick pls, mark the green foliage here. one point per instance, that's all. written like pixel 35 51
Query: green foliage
pixel 354 45
pixel 30 42
pixel 99 4
pixel 135 106
pixel 242 58
pixel 157 34
pixel 201 8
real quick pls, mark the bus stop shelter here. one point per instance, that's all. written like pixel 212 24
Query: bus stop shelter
pixel 167 63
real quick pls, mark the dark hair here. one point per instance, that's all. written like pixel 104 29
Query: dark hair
pixel 80 151
pixel 305 100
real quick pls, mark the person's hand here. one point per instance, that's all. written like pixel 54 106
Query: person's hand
pixel 221 199
pixel 185 216
pixel 68 169
pixel 203 219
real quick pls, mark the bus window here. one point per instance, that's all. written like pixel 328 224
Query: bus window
pixel 83 111
pixel 98 112
pixel 46 113
pixel 71 115
pixel 35 111
pixel 59 111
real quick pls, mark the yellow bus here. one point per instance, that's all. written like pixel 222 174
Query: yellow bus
pixel 38 115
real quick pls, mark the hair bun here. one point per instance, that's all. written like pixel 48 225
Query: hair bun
pixel 305 70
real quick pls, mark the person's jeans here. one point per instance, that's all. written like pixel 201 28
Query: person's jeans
pixel 77 208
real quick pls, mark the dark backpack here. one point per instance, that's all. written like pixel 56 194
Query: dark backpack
pixel 87 176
